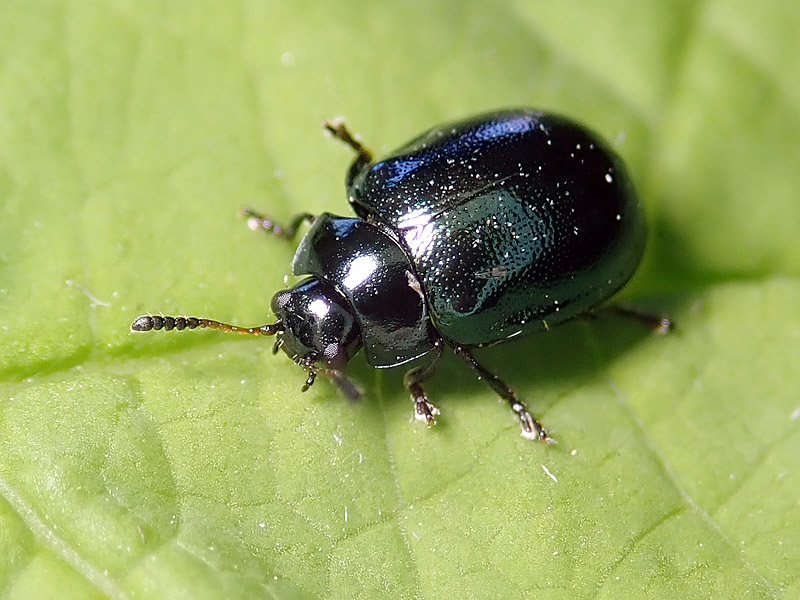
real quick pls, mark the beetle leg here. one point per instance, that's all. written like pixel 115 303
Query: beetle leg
pixel 657 323
pixel 423 409
pixel 257 220
pixel 338 130
pixel 531 428
pixel 346 386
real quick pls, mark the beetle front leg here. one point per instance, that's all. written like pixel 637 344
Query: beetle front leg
pixel 346 386
pixel 531 428
pixel 423 409
pixel 258 221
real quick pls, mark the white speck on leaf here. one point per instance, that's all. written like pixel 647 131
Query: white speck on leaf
pixel 94 301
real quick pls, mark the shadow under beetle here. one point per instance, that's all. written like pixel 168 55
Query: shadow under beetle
pixel 473 233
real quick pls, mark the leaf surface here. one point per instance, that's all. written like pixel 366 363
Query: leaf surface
pixel 190 465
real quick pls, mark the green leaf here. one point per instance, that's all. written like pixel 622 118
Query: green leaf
pixel 190 465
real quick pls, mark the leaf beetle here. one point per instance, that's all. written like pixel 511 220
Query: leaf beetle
pixel 471 234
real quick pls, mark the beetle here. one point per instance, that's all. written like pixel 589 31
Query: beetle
pixel 473 233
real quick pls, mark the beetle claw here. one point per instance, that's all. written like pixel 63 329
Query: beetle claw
pixel 532 429
pixel 425 411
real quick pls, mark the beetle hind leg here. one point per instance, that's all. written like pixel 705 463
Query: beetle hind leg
pixel 658 324
pixel 531 428
pixel 424 410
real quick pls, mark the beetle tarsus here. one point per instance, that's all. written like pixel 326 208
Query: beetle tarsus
pixel 531 428
pixel 337 129
pixel 424 410
pixel 260 222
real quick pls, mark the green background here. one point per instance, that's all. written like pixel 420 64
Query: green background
pixel 189 465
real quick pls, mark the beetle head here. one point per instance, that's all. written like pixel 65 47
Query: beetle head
pixel 318 325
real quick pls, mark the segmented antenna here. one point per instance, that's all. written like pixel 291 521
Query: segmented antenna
pixel 156 322
pixel 151 322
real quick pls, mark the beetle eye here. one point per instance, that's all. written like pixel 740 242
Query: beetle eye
pixel 331 350
pixel 281 299
pixel 335 355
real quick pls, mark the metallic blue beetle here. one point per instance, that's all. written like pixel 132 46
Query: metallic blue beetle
pixel 473 233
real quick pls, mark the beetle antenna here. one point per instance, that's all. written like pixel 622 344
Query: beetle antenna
pixel 150 322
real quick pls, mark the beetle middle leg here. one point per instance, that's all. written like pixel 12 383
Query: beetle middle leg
pixel 338 130
pixel 531 428
pixel 258 221
pixel 423 409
